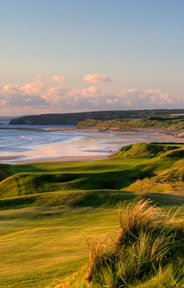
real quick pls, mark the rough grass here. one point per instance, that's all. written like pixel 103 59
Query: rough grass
pixel 3 172
pixel 49 210
pixel 168 180
pixel 147 252
pixel 150 150
pixel 141 167
pixel 70 199
pixel 153 122
pixel 64 177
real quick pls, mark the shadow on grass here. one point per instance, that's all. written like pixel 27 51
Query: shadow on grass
pixel 31 183
pixel 102 198
pixel 71 199
pixel 165 199
pixel 17 202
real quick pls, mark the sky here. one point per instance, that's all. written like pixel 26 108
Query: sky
pixel 65 56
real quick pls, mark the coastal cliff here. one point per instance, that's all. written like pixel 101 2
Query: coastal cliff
pixel 74 118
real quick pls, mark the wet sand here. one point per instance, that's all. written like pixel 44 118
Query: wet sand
pixel 166 135
pixel 169 134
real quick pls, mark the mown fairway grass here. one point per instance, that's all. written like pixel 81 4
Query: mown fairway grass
pixel 49 210
pixel 40 244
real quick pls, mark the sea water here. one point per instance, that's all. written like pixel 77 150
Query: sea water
pixel 27 142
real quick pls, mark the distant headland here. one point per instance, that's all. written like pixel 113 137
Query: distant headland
pixel 74 118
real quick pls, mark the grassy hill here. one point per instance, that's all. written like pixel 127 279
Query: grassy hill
pixel 3 172
pixel 169 123
pixel 49 211
pixel 149 150
pixel 147 251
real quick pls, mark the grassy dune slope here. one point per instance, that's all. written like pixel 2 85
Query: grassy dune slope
pixel 49 210
pixel 149 150
pixel 146 252
pixel 170 123
pixel 3 172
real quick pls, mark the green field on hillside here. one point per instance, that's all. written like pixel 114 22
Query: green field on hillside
pixel 50 212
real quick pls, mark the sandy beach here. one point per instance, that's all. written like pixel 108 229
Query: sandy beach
pixel 166 135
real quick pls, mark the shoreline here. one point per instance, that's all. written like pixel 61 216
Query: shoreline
pixel 148 130
pixel 166 135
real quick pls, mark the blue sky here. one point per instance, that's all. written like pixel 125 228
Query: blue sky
pixel 138 45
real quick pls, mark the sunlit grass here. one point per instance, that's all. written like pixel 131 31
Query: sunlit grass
pixel 38 244
pixel 48 211
pixel 146 252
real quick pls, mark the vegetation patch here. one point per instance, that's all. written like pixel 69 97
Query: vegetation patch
pixel 148 150
pixel 150 185
pixel 74 118
pixel 178 153
pixel 169 123
pixel 3 172
pixel 147 251
pixel 48 210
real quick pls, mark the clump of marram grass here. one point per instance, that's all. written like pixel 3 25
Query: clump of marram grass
pixel 137 220
pixel 147 252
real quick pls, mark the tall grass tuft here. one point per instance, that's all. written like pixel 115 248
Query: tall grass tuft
pixel 148 251
pixel 137 220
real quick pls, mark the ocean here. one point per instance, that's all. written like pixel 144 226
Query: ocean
pixel 26 142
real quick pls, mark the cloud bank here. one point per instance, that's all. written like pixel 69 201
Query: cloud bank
pixel 58 79
pixel 36 98
pixel 96 78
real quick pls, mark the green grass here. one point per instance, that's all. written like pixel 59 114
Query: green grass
pixel 49 210
pixel 39 244
pixel 170 123
pixel 147 251
pixel 150 150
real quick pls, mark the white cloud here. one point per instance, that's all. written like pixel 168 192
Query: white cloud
pixel 35 97
pixel 34 88
pixel 110 101
pixel 96 78
pixel 15 97
pixel 58 79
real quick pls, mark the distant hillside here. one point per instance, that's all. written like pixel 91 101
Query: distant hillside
pixel 175 123
pixel 74 118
